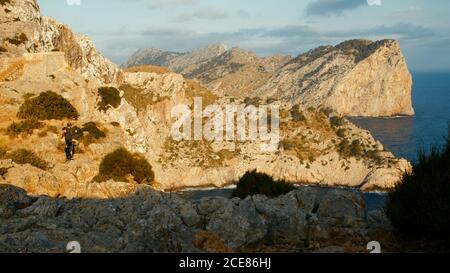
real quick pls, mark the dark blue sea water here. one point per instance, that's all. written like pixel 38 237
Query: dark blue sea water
pixel 405 136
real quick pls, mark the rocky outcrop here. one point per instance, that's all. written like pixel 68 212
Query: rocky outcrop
pixel 355 78
pixel 305 220
pixel 25 31
pixel 311 150
pixel 225 71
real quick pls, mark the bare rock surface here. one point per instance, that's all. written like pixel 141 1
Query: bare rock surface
pixel 149 221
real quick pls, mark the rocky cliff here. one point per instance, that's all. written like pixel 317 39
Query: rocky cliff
pixel 304 221
pixel 354 78
pixel 312 150
pixel 24 30
pixel 42 208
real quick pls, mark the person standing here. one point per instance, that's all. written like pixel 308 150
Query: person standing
pixel 68 135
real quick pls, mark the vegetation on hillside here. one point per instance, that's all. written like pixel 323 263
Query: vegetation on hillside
pixel 419 208
pixel 138 98
pixel 3 2
pixel 23 156
pixel 24 127
pixel 297 115
pixel 109 97
pixel 121 165
pixel 89 133
pixel 254 183
pixel 48 105
pixel 17 40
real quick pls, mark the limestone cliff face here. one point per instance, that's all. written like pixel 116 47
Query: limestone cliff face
pixel 355 78
pixel 312 151
pixel 25 31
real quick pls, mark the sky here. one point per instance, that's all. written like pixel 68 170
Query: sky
pixel 291 27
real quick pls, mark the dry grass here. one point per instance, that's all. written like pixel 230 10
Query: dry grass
pixel 138 98
pixel 148 69
pixel 301 148
pixel 198 153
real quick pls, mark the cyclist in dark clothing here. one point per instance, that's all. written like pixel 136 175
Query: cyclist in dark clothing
pixel 68 134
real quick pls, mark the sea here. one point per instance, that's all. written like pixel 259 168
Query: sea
pixel 403 136
pixel 406 136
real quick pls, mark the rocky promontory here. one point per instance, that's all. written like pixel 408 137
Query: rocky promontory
pixel 355 78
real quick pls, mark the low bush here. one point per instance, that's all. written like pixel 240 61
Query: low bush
pixel 22 156
pixel 121 165
pixel 3 171
pixel 353 149
pixel 3 2
pixel 337 121
pixel 254 183
pixel 138 98
pixel 18 39
pixel 110 97
pixel 419 208
pixel 341 133
pixel 2 49
pixel 24 127
pixel 252 101
pixel 89 133
pixel 47 106
pixel 297 115
pixel 327 111
pixel 2 152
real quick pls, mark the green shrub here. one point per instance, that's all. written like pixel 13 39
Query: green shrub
pixel 2 49
pixel 297 115
pixel 47 106
pixel 419 208
pixel 18 39
pixel 3 171
pixel 92 129
pixel 121 164
pixel 2 152
pixel 337 121
pixel 353 149
pixel 327 111
pixel 24 127
pixel 110 97
pixel 252 101
pixel 341 133
pixel 254 183
pixel 89 134
pixel 22 156
pixel 3 2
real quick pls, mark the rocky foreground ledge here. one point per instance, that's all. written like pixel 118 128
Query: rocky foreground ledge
pixel 305 220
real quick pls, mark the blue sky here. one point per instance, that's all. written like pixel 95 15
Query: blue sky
pixel 119 27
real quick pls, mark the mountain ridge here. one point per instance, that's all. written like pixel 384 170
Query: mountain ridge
pixel 315 78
